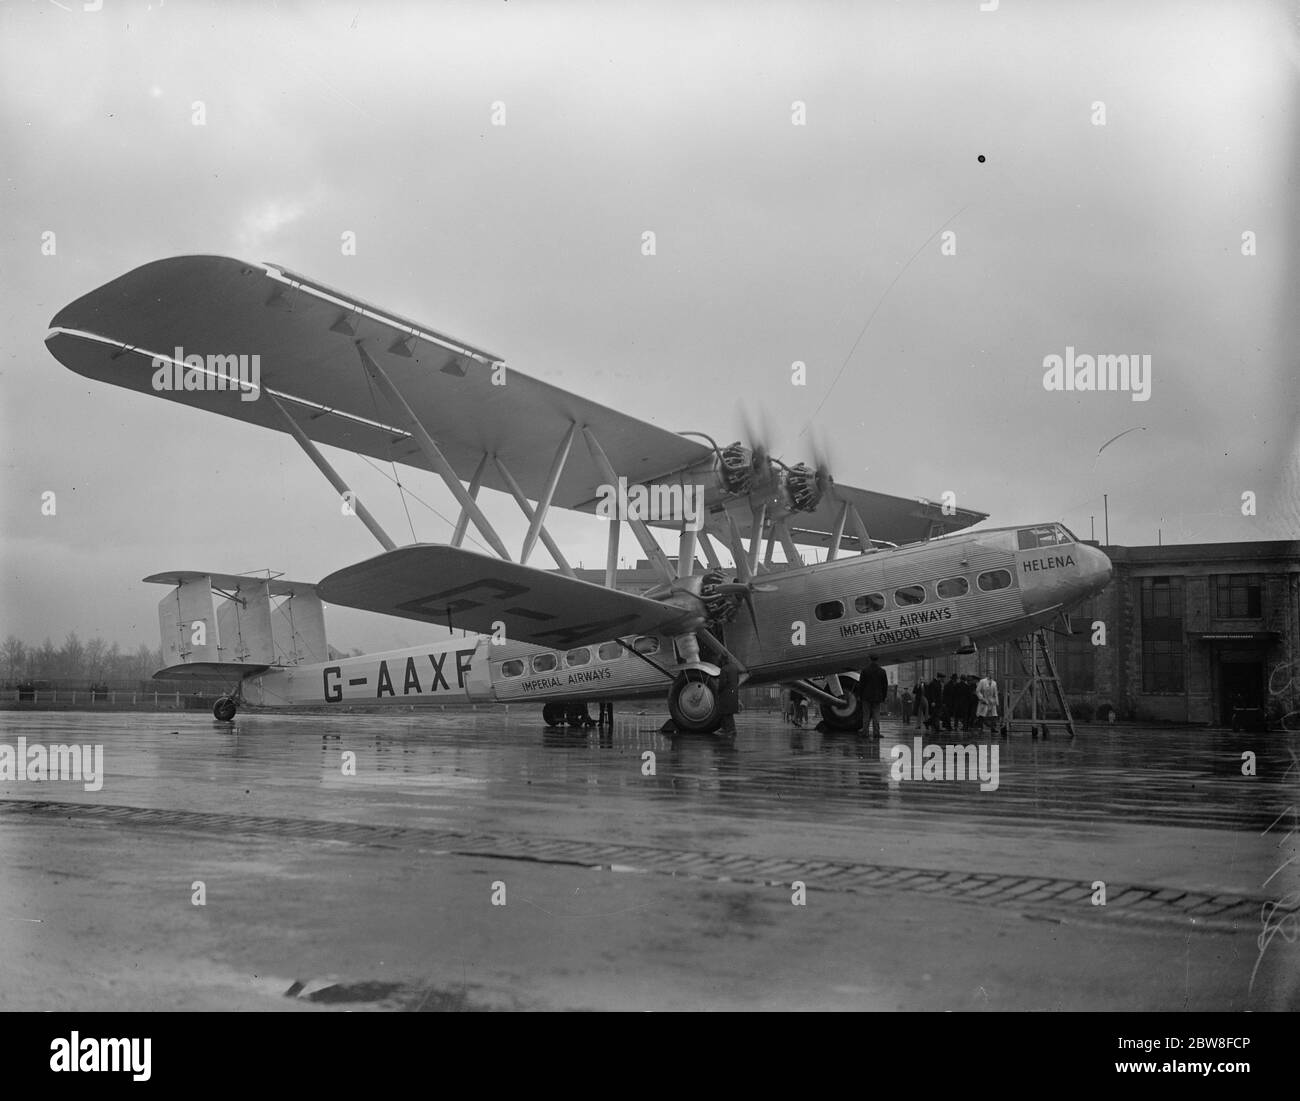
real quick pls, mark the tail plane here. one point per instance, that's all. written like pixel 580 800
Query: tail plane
pixel 261 622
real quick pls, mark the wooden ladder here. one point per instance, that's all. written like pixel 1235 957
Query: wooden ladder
pixel 1041 683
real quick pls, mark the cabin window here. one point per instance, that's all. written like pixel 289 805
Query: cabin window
pixel 992 580
pixel 951 587
pixel 580 656
pixel 1048 535
pixel 829 609
pixel 646 644
pixel 872 602
pixel 512 668
pixel 610 651
pixel 545 663
pixel 911 594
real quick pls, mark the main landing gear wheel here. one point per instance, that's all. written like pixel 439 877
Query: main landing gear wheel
pixel 553 714
pixel 693 702
pixel 847 716
pixel 576 714
pixel 224 709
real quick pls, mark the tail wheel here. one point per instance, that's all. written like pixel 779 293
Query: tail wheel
pixel 848 715
pixel 694 703
pixel 553 714
pixel 224 709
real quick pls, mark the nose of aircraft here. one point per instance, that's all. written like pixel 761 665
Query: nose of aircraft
pixel 1095 570
pixel 1050 580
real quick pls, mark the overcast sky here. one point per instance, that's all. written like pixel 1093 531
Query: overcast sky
pixel 775 242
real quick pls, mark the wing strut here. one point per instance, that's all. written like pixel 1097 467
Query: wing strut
pixel 686 551
pixel 340 486
pixel 756 536
pixel 462 521
pixel 649 544
pixel 782 532
pixel 710 552
pixel 544 502
pixel 838 534
pixel 527 510
pixel 431 452
pixel 611 556
pixel 738 552
pixel 860 529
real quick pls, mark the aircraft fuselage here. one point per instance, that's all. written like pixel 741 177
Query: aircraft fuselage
pixel 899 604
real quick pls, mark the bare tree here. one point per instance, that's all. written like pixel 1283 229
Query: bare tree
pixel 94 661
pixel 72 658
pixel 15 656
pixel 115 662
pixel 146 661
pixel 47 661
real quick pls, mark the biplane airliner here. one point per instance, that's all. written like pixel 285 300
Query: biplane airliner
pixel 902 578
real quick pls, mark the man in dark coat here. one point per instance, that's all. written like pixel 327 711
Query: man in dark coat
pixel 951 701
pixel 934 697
pixel 972 701
pixel 728 696
pixel 874 687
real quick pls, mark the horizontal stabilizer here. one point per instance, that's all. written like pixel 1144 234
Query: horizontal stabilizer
pixel 224 671
pixel 463 589
pixel 232 582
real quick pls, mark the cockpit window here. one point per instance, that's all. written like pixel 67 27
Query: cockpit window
pixel 1048 535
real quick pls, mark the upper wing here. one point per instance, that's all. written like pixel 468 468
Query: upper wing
pixel 460 588
pixel 305 335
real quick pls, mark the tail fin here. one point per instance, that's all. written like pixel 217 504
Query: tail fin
pixel 246 632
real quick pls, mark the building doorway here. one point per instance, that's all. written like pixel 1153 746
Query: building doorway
pixel 1241 684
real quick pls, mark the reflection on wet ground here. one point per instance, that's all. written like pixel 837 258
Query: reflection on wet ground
pixel 1173 820
pixel 478 762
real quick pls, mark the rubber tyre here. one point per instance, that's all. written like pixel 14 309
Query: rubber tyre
pixel 553 714
pixel 694 704
pixel 576 714
pixel 848 717
pixel 224 709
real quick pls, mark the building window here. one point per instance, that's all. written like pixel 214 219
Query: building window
pixel 1163 645
pixel 830 609
pixel 992 580
pixel 912 594
pixel 1237 596
pixel 544 663
pixel 951 587
pixel 872 602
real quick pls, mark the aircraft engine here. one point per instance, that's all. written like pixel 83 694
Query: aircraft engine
pixel 805 486
pixel 737 468
pixel 719 606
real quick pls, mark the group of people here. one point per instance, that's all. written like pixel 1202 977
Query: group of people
pixel 961 701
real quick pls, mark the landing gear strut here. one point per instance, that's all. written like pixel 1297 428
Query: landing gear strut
pixel 693 702
pixel 224 709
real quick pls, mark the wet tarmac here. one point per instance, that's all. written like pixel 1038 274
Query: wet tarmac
pixel 480 861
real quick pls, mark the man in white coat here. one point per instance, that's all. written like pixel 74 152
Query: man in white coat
pixel 986 710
